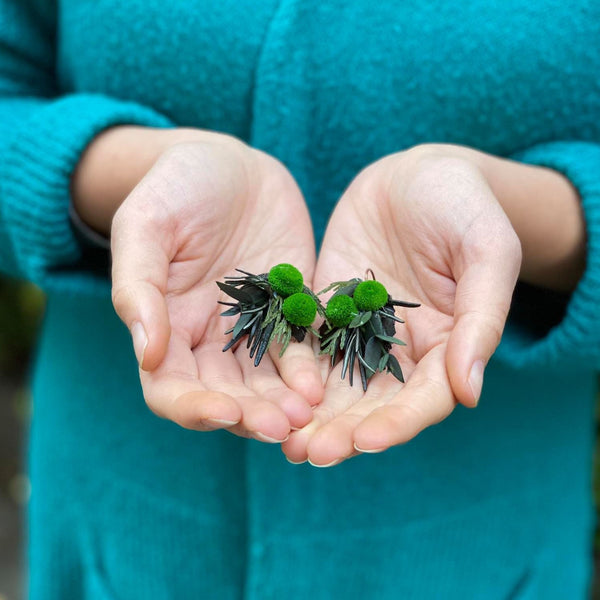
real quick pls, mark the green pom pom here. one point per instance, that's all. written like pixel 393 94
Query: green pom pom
pixel 300 309
pixel 370 295
pixel 286 280
pixel 340 310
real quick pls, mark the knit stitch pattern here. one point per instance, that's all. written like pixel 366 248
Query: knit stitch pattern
pixel 491 504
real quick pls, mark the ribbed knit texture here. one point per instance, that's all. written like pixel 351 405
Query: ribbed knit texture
pixel 491 504
pixel 35 178
pixel 577 340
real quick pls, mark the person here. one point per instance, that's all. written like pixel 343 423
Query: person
pixel 451 150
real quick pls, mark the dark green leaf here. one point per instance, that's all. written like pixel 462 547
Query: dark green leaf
pixel 255 342
pixel 349 354
pixel 391 340
pixel 242 323
pixel 403 303
pixel 253 331
pixel 360 319
pixel 234 292
pixel 364 364
pixel 234 340
pixel 376 324
pixel 265 339
pixel 246 273
pixel 335 349
pixel 257 295
pixel 343 337
pixel 389 315
pixel 394 368
pixel 347 290
pixel 384 361
pixel 373 354
pixel 339 285
pixel 364 376
pixel 352 354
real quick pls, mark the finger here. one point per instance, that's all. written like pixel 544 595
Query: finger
pixel 339 396
pixel 333 442
pixel 425 399
pixel 266 382
pixel 139 280
pixel 173 391
pixel 221 372
pixel 300 369
pixel 483 296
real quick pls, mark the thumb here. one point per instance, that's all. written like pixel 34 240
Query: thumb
pixel 483 296
pixel 140 269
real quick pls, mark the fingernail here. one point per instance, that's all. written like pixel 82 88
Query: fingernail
pixel 292 462
pixel 265 438
pixel 476 379
pixel 331 464
pixel 221 422
pixel 140 341
pixel 369 451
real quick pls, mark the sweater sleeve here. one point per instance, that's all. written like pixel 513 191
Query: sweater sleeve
pixel 574 341
pixel 43 132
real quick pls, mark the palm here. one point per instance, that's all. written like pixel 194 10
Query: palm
pixel 413 245
pixel 221 217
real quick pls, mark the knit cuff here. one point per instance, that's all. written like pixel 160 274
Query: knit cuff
pixel 575 341
pixel 36 176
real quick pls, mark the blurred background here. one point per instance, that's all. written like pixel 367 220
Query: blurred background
pixel 21 311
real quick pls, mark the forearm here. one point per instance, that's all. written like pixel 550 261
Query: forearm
pixel 545 211
pixel 115 162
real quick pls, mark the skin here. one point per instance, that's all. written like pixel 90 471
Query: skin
pixel 201 208
pixel 449 227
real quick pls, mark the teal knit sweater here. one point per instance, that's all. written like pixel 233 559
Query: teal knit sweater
pixel 493 503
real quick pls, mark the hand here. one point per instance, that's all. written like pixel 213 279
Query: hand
pixel 433 232
pixel 205 208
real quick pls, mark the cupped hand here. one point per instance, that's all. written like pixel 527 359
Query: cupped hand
pixel 203 210
pixel 429 227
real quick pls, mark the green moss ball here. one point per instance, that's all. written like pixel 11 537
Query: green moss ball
pixel 370 295
pixel 300 309
pixel 340 310
pixel 286 280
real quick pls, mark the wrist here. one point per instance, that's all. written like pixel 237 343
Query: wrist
pixel 116 161
pixel 546 212
pixel 542 206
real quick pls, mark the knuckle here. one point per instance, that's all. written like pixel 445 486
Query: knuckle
pixel 489 324
pixel 122 298
pixel 493 326
pixel 495 330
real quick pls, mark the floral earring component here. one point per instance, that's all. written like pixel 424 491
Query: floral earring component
pixel 271 306
pixel 360 324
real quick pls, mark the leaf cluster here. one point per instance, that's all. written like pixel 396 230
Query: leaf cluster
pixel 366 340
pixel 356 335
pixel 261 316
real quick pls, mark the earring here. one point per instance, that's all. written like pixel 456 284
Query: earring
pixel 273 306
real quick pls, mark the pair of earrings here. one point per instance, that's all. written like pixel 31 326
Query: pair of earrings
pixel 359 321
